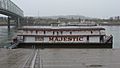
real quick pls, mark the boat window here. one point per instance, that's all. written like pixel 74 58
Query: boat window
pixel 61 32
pixel 57 33
pixel 91 32
pixel 87 38
pixel 39 39
pixel 44 32
pixel 36 31
pixel 53 32
pixel 70 32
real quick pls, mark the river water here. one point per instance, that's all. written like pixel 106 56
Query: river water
pixel 6 36
pixel 115 31
pixel 110 30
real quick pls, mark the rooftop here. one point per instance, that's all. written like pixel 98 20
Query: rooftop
pixel 61 28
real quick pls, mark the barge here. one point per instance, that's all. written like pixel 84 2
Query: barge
pixel 64 37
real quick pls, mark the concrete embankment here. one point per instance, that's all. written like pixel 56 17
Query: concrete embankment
pixel 62 58
pixel 7 24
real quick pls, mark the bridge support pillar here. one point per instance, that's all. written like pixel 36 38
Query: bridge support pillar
pixel 9 23
pixel 18 22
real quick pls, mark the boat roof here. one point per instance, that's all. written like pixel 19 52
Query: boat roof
pixel 61 28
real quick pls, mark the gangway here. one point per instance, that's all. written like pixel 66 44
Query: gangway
pixel 12 46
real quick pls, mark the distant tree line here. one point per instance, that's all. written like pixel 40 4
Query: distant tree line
pixel 48 21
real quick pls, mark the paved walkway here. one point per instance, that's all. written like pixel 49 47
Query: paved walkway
pixel 63 58
pixel 81 58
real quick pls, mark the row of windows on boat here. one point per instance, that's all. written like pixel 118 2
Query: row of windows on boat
pixel 57 32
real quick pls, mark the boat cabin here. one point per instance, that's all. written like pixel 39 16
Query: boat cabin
pixel 61 34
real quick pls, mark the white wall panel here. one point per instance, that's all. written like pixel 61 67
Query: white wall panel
pixel 94 39
pixel 29 39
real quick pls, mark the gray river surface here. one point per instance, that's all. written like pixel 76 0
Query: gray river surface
pixel 6 36
pixel 115 31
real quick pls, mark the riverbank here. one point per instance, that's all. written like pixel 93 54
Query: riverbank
pixel 7 24
pixel 110 24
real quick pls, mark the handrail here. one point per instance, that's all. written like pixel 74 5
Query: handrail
pixel 14 45
pixel 109 39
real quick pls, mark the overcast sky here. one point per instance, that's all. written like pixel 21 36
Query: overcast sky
pixel 91 8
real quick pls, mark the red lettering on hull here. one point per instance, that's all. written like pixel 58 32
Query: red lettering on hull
pixel 66 39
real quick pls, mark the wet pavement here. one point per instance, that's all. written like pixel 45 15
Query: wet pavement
pixel 13 58
pixel 62 58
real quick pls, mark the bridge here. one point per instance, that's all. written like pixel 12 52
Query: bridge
pixel 7 7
